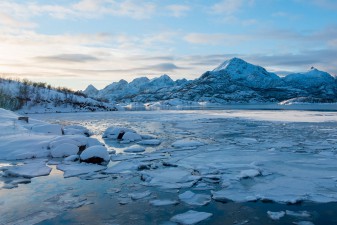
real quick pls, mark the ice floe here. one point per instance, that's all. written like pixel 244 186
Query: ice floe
pixel 276 215
pixel 194 199
pixel 122 167
pixel 191 217
pixel 29 170
pixel 187 143
pixel 163 202
pixel 249 173
pixel 139 195
pixel 76 169
pixel 170 178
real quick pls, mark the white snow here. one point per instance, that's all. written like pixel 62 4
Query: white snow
pixel 131 137
pixel 276 215
pixel 134 149
pixel 72 158
pixel 95 151
pixel 75 130
pixel 195 199
pixel 63 150
pixel 113 132
pixel 48 129
pixel 191 217
pixel 170 178
pixel 24 146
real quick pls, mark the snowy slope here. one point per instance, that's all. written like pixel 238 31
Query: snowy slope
pixel 31 98
pixel 233 81
pixel 315 82
pixel 139 89
pixel 90 90
pixel 248 74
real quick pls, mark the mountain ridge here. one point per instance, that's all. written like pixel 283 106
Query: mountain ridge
pixel 233 81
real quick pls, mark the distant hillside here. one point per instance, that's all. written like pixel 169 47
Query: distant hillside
pixel 233 81
pixel 31 97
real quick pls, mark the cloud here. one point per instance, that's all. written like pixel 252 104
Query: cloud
pixel 76 58
pixel 227 11
pixel 178 10
pixel 164 67
pixel 81 9
pixel 227 6
pixel 214 39
pixel 10 21
pixel 327 4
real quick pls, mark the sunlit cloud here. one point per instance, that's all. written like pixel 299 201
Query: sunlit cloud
pixel 178 10
pixel 214 39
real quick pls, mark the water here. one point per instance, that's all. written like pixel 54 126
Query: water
pixel 55 200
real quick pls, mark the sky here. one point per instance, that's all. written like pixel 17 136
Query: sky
pixel 75 43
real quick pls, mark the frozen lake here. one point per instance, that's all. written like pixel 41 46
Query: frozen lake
pixel 238 164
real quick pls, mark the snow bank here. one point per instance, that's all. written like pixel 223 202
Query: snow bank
pixel 63 150
pixel 76 129
pixel 24 146
pixel 95 152
pixel 126 135
pixel 131 137
pixel 113 132
pixel 48 129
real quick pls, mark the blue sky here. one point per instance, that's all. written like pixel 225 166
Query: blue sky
pixel 74 43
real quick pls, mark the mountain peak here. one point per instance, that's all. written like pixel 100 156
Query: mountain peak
pixel 90 90
pixel 231 63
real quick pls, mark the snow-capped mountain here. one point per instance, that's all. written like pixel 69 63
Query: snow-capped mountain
pixel 90 90
pixel 233 81
pixel 139 89
pixel 314 83
pixel 30 97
